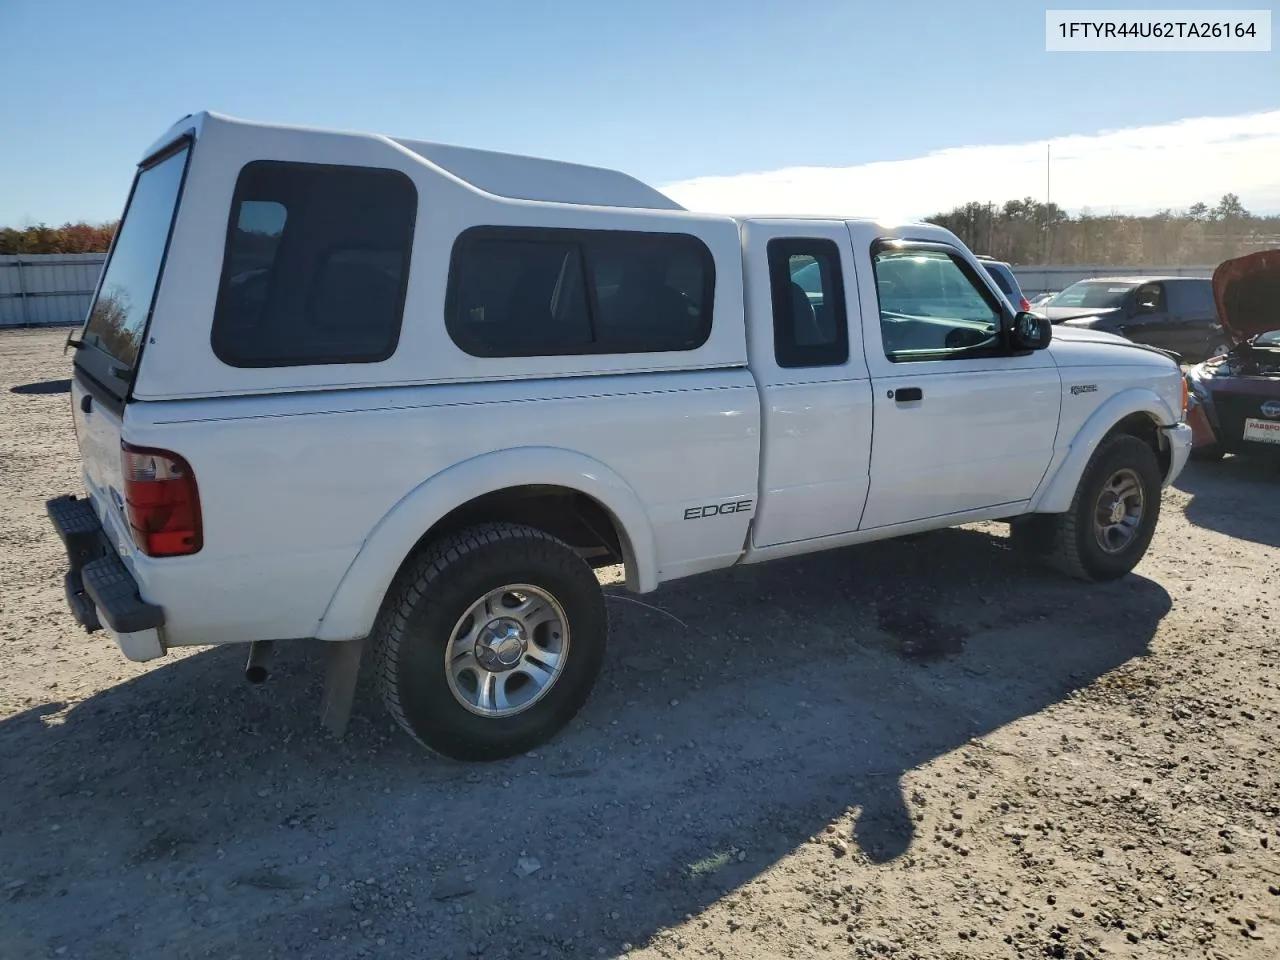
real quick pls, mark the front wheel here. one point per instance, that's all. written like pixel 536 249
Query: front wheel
pixel 490 642
pixel 1113 515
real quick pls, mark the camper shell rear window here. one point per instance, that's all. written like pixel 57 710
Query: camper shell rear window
pixel 316 265
pixel 120 316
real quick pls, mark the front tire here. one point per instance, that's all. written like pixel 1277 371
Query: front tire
pixel 490 641
pixel 1113 514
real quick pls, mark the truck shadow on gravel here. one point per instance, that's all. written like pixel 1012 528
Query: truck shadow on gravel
pixel 42 388
pixel 185 813
pixel 1235 496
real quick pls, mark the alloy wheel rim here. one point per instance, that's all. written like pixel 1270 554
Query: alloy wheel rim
pixel 1118 513
pixel 507 650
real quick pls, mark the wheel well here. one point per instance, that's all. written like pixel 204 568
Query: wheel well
pixel 567 514
pixel 1145 428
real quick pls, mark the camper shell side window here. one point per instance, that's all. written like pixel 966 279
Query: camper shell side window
pixel 316 265
pixel 526 292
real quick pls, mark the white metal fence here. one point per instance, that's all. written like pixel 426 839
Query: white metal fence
pixel 48 289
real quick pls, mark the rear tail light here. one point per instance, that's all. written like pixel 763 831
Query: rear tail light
pixel 1186 396
pixel 1024 305
pixel 163 502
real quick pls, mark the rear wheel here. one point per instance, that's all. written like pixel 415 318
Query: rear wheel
pixel 491 641
pixel 1113 514
pixel 1218 348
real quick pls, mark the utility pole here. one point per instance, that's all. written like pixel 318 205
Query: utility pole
pixel 1048 226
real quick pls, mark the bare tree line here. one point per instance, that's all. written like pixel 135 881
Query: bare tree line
pixel 1030 232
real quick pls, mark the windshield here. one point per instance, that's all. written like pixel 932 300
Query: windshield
pixel 118 318
pixel 1269 339
pixel 1091 293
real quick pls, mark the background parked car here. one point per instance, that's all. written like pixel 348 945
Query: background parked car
pixel 1040 299
pixel 1172 313
pixel 1006 281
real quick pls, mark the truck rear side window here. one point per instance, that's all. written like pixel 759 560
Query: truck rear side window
pixel 810 328
pixel 525 292
pixel 316 265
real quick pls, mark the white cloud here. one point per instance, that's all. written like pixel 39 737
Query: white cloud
pixel 1137 170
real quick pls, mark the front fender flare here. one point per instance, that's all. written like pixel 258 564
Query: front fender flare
pixel 1057 492
pixel 354 605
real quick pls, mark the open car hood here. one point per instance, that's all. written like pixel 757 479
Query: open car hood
pixel 1247 293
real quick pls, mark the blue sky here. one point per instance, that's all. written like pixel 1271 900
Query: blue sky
pixel 669 91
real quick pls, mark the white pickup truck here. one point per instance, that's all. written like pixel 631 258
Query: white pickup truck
pixel 356 388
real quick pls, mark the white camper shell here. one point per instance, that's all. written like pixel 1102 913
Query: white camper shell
pixel 375 390
pixel 443 192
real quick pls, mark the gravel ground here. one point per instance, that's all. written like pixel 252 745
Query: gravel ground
pixel 919 748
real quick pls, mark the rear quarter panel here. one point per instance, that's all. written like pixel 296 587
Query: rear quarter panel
pixel 292 485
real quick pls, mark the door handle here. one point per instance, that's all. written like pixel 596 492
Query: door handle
pixel 906 394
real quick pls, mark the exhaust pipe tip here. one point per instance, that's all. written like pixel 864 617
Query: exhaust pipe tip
pixel 255 669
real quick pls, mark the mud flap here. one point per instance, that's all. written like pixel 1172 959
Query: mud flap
pixel 341 673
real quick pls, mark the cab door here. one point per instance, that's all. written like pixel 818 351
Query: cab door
pixel 805 348
pixel 1149 319
pixel 961 423
pixel 1194 317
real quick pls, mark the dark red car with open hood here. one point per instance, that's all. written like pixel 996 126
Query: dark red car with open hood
pixel 1235 399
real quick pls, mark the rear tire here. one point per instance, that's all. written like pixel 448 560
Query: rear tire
pixel 1113 514
pixel 490 641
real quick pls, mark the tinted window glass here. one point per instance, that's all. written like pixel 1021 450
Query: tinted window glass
pixel 1150 298
pixel 931 308
pixel 1203 294
pixel 516 297
pixel 809 325
pixel 316 266
pixel 1195 298
pixel 527 292
pixel 118 318
pixel 1002 281
pixel 649 293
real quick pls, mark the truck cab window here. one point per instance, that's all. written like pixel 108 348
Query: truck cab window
pixel 930 306
pixel 1150 298
pixel 810 328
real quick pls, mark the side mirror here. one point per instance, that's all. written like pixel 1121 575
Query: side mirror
pixel 1031 331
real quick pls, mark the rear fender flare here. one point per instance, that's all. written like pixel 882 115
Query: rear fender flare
pixel 355 604
pixel 1056 494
